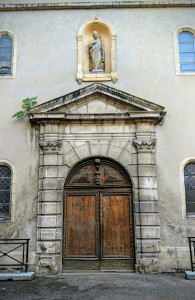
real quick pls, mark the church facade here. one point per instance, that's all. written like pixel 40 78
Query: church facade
pixel 101 173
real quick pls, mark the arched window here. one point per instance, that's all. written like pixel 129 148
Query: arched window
pixel 6 51
pixel 189 179
pixel 5 192
pixel 186 51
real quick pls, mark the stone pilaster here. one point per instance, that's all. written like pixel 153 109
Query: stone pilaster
pixel 50 207
pixel 147 225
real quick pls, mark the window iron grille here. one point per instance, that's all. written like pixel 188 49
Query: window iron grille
pixel 189 179
pixel 5 193
pixel 6 49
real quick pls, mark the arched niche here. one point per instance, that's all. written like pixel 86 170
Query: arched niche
pixel 108 36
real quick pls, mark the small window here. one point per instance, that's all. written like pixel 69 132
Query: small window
pixel 5 193
pixel 186 51
pixel 6 48
pixel 189 179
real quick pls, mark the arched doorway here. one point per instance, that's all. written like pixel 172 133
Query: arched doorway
pixel 98 217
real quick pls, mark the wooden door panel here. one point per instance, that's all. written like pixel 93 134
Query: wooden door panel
pixel 127 228
pixel 116 264
pixel 80 226
pixel 115 225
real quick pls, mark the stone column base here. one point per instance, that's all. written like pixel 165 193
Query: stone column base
pixel 149 265
pixel 49 265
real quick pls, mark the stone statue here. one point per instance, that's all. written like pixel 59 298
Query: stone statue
pixel 96 54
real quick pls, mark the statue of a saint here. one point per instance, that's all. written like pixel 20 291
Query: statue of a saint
pixel 96 54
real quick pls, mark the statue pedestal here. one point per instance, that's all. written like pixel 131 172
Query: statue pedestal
pixel 97 71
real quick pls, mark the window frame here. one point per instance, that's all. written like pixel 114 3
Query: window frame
pixel 184 28
pixel 10 192
pixel 185 162
pixel 185 183
pixel 12 189
pixel 14 54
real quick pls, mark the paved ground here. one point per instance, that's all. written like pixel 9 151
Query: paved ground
pixel 101 286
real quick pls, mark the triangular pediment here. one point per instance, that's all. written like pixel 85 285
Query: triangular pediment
pixel 96 98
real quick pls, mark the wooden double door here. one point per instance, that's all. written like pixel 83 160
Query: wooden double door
pixel 98 223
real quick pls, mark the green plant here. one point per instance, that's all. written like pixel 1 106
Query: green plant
pixel 28 103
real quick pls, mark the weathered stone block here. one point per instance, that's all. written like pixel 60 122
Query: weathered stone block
pixel 147 232
pixel 49 247
pixel 48 264
pixel 99 148
pixel 116 148
pixel 134 159
pixel 132 170
pixel 149 265
pixel 50 184
pixel 168 265
pixel 113 128
pixel 96 105
pixel 136 207
pixel 147 219
pixel 167 253
pixel 184 264
pixel 148 182
pixel 49 234
pixel 50 159
pixel 49 221
pixel 59 171
pixel 148 194
pixel 53 183
pixel 183 253
pixel 135 194
pixel 63 171
pixel 147 171
pixel 145 158
pixel 70 158
pixel 50 195
pixel 41 160
pixel 41 173
pixel 81 148
pixel 40 184
pixel 50 208
pixel 144 128
pixel 84 128
pixel 51 128
pixel 60 159
pixel 147 246
pixel 83 108
pixel 134 182
pixel 146 207
pixel 50 171
pixel 126 156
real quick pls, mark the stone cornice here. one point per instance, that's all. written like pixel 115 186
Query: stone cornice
pixel 95 5
pixel 156 117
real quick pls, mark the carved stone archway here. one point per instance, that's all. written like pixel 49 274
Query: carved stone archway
pixel 97 121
